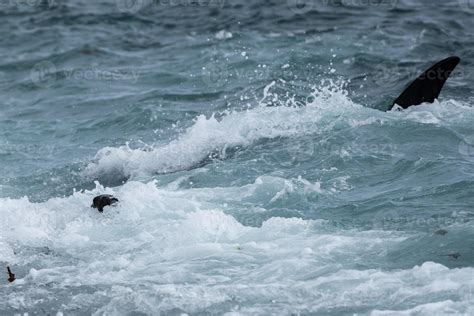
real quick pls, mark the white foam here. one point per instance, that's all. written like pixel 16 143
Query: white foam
pixel 223 35
pixel 167 249
pixel 327 108
pixel 209 135
pixel 163 249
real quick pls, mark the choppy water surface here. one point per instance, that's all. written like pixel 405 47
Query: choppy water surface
pixel 255 170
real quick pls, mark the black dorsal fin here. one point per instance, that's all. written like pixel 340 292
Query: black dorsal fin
pixel 427 87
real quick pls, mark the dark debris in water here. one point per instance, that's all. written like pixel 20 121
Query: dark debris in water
pixel 11 276
pixel 454 255
pixel 441 232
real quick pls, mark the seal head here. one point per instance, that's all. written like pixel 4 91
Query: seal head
pixel 99 202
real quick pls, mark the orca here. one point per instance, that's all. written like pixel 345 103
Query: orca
pixel 99 202
pixel 427 87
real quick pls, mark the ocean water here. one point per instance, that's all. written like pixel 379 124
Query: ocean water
pixel 247 141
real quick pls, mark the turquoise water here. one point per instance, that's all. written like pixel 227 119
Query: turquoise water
pixel 255 170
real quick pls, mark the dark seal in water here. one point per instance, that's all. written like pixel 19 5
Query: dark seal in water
pixel 99 202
